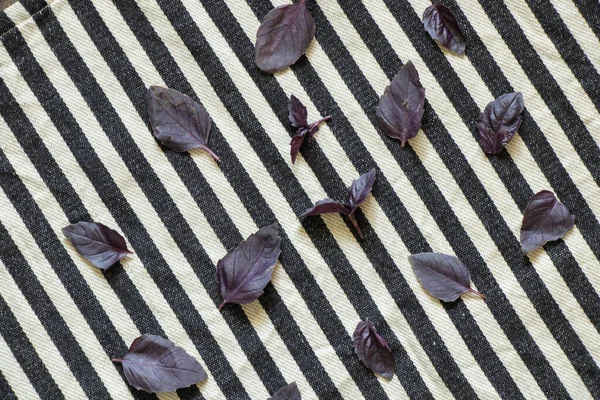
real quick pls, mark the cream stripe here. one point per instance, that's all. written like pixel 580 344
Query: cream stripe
pixel 28 320
pixel 256 314
pixel 14 375
pixel 472 152
pixel 284 215
pixel 555 64
pixel 123 179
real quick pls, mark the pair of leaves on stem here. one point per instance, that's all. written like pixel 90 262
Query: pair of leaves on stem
pixel 299 119
pixel 499 122
pixel 284 36
pixel 97 243
pixel 443 276
pixel 401 107
pixel 155 365
pixel 177 121
pixel 245 271
pixel 357 194
pixel 289 392
pixel 373 350
pixel 544 219
pixel 442 26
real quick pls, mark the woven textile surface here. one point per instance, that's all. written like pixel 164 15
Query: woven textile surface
pixel 76 145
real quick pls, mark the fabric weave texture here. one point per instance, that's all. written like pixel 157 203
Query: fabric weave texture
pixel 76 145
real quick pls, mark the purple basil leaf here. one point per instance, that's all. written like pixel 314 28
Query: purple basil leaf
pixel 544 219
pixel 401 107
pixel 298 114
pixel 296 142
pixel 97 243
pixel 155 365
pixel 298 117
pixel 327 206
pixel 499 122
pixel 178 122
pixel 245 271
pixel 442 26
pixel 284 36
pixel 443 276
pixel 290 392
pixel 360 189
pixel 373 350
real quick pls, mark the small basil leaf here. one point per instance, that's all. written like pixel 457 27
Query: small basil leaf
pixel 360 189
pixel 499 122
pixel 284 36
pixel 290 392
pixel 400 109
pixel 544 219
pixel 97 243
pixel 296 142
pixel 155 365
pixel 298 117
pixel 298 114
pixel 178 122
pixel 442 26
pixel 373 350
pixel 245 271
pixel 443 276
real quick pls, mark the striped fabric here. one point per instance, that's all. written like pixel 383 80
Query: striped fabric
pixel 75 145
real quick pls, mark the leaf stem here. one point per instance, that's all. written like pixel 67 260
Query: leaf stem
pixel 475 292
pixel 216 157
pixel 327 118
pixel 119 360
pixel 355 223
pixel 222 304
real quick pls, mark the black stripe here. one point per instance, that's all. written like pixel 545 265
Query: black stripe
pixel 125 217
pixel 508 244
pixel 568 48
pixel 23 351
pixel 590 10
pixel 257 207
pixel 6 391
pixel 277 103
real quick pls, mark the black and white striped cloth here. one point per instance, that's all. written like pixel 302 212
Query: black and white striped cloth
pixel 75 145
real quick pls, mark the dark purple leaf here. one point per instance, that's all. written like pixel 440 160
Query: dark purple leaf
pixel 178 122
pixel 298 117
pixel 156 365
pixel 360 189
pixel 327 206
pixel 499 122
pixel 245 271
pixel 298 113
pixel 373 350
pixel 401 107
pixel 358 192
pixel 444 276
pixel 97 243
pixel 290 392
pixel 284 36
pixel 296 142
pixel 544 219
pixel 442 26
